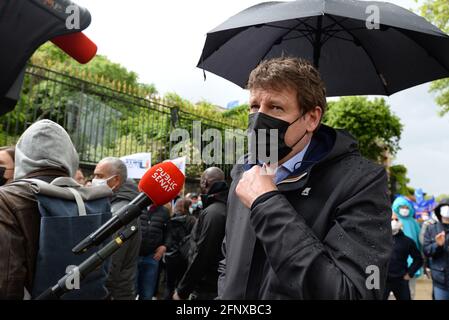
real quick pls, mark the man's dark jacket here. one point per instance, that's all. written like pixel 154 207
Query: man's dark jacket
pixel 206 239
pixel 178 230
pixel 122 273
pixel 403 247
pixel 325 235
pixel 153 223
pixel 438 255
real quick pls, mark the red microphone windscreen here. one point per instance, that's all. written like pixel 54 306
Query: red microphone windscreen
pixel 162 182
pixel 77 45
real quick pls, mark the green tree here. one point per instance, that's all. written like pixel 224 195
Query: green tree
pixel 240 113
pixel 437 12
pixel 52 57
pixel 441 197
pixel 398 182
pixel 371 122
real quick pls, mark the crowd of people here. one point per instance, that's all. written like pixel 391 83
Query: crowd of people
pixel 177 248
pixel 419 249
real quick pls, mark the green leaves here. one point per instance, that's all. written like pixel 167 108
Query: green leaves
pixel 437 12
pixel 372 123
pixel 399 180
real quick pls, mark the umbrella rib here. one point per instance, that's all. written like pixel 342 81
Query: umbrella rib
pixel 367 53
pixel 297 37
pixel 338 37
pixel 263 57
pixel 302 31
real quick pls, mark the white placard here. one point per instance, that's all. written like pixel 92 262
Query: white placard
pixel 180 163
pixel 137 164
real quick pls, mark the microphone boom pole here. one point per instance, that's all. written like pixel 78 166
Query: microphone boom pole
pixel 88 265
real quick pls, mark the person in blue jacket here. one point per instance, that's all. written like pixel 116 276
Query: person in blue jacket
pixel 404 210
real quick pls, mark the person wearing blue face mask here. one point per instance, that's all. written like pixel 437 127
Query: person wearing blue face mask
pixel 312 219
pixel 196 206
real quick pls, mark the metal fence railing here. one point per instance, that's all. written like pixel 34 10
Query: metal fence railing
pixel 102 121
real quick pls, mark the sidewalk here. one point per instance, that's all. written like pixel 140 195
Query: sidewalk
pixel 423 289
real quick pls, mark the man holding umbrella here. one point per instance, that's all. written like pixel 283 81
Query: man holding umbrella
pixel 316 227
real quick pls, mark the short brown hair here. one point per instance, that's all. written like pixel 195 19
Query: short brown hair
pixel 11 150
pixel 299 74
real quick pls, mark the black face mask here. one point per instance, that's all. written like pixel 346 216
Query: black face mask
pixel 261 120
pixel 2 176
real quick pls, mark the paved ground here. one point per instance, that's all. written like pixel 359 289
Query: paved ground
pixel 423 289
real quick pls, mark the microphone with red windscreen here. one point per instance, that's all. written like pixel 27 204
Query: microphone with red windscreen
pixel 77 45
pixel 160 184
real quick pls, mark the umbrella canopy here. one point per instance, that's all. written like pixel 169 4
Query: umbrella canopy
pixel 24 26
pixel 337 36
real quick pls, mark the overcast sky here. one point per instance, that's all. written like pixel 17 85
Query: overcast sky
pixel 162 42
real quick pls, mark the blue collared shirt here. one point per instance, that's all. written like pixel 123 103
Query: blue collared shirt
pixel 288 167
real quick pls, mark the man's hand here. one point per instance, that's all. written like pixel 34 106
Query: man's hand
pixel 176 296
pixel 440 239
pixel 407 277
pixel 254 183
pixel 159 252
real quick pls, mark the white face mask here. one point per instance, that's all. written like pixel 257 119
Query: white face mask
pixel 101 182
pixel 395 226
pixel 404 212
pixel 444 211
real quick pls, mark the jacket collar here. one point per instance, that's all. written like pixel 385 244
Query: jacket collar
pixel 327 145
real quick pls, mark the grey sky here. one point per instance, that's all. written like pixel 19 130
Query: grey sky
pixel 162 42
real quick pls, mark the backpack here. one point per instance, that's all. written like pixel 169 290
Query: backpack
pixel 69 213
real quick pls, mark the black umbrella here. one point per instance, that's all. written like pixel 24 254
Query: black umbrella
pixel 404 50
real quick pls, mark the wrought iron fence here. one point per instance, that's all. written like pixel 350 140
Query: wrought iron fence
pixel 102 121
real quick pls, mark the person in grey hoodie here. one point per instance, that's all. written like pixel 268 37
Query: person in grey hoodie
pixel 46 152
pixel 122 274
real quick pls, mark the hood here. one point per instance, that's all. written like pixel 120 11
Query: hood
pixel 128 191
pixel 217 192
pixel 410 226
pixel 444 202
pixel 401 201
pixel 45 144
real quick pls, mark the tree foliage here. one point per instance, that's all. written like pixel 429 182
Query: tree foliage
pixel 437 12
pixel 398 182
pixel 371 122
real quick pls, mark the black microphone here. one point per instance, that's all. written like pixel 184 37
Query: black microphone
pixel 123 216
pixel 90 264
pixel 160 184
